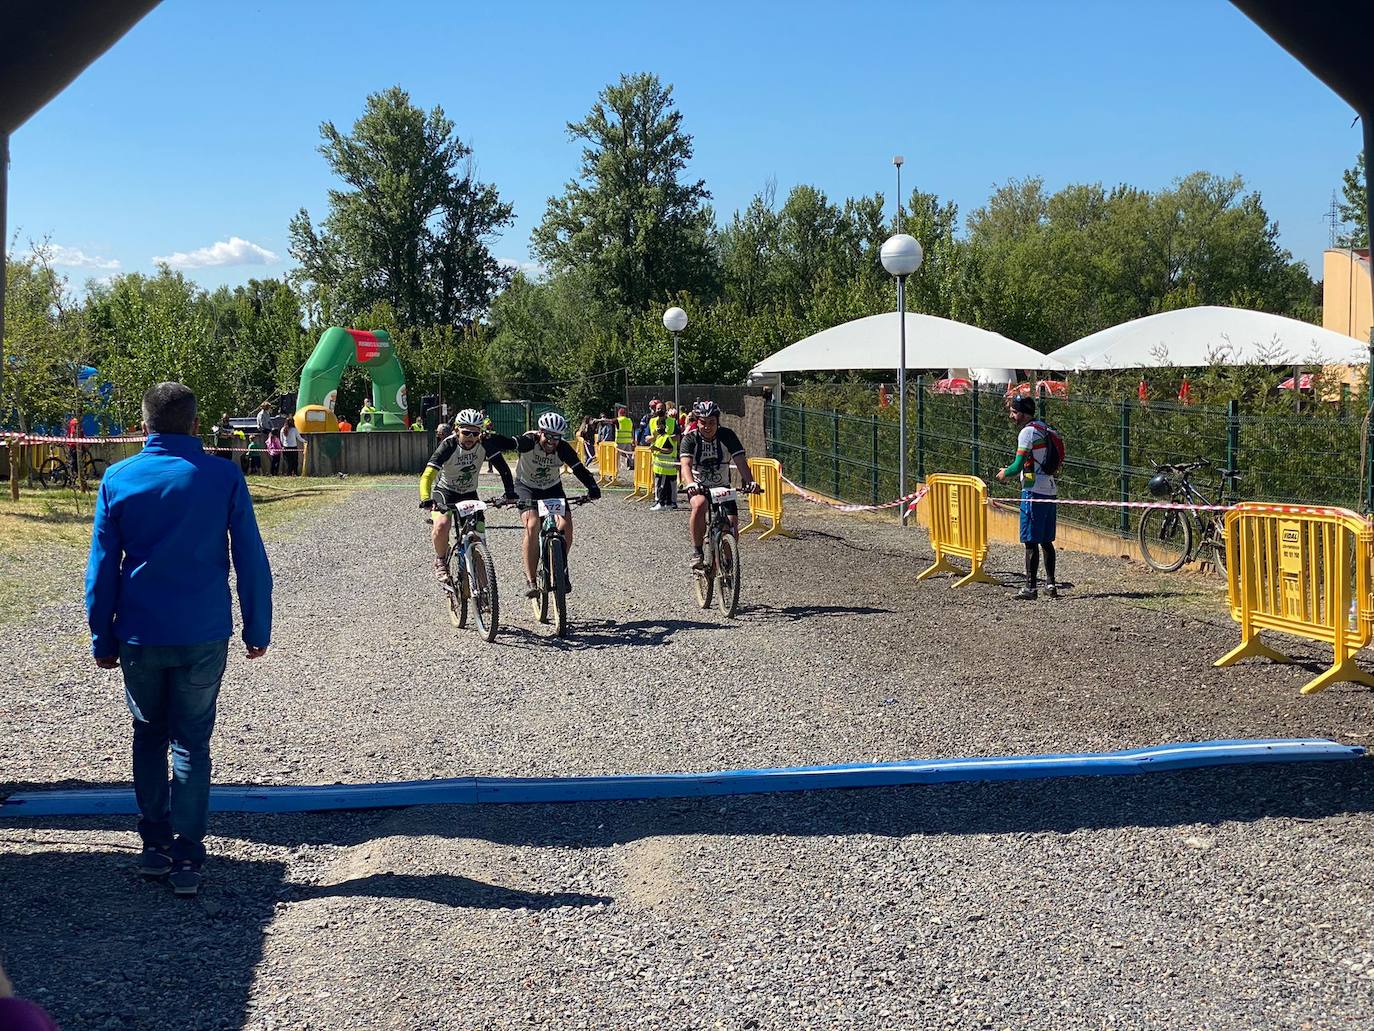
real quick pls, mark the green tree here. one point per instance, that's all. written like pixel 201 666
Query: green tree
pixel 45 344
pixel 412 227
pixel 1354 207
pixel 631 224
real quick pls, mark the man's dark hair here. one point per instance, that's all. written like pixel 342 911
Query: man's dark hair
pixel 1023 404
pixel 169 408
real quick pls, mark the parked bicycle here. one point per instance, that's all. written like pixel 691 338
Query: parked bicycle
pixel 471 574
pixel 551 578
pixel 1169 537
pixel 720 550
pixel 57 470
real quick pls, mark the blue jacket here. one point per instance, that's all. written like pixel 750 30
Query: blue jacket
pixel 166 522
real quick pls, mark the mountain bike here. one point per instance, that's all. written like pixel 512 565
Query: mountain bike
pixel 57 471
pixel 475 577
pixel 551 577
pixel 1169 537
pixel 720 551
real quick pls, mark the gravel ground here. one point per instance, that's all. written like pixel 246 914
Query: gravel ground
pixel 1210 899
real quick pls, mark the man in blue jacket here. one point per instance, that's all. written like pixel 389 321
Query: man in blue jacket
pixel 157 600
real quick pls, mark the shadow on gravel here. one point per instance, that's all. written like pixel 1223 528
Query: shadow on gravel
pixel 793 613
pixel 602 633
pixel 99 947
pixel 446 890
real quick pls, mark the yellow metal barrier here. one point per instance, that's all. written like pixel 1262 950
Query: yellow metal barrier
pixel 644 475
pixel 767 505
pixel 607 462
pixel 958 509
pixel 1301 571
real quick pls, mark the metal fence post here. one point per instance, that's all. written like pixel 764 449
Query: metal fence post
pixel 875 460
pixel 973 430
pixel 801 432
pixel 1233 446
pixel 920 429
pixel 1125 467
pixel 1042 405
pixel 835 454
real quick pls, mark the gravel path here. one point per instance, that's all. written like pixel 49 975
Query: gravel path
pixel 1211 899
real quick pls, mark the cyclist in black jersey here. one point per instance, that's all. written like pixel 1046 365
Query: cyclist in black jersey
pixel 538 477
pixel 455 465
pixel 707 453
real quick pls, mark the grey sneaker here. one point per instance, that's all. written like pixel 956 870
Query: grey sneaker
pixel 155 862
pixel 1051 590
pixel 185 879
pixel 531 591
pixel 441 569
pixel 698 560
pixel 1026 594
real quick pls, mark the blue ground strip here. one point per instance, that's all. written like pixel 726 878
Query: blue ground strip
pixel 507 790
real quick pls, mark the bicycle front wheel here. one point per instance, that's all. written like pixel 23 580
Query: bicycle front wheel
pixel 94 468
pixel 558 586
pixel 457 595
pixel 1166 538
pixel 706 578
pixel 727 574
pixel 486 606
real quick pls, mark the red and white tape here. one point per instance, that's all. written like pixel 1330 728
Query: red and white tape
pixel 911 500
pixel 29 438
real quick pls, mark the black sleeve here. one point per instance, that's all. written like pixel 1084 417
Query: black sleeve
pixel 688 446
pixel 572 461
pixel 495 443
pixel 524 442
pixel 729 440
pixel 498 462
pixel 443 452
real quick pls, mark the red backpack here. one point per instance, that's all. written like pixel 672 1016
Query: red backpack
pixel 1054 448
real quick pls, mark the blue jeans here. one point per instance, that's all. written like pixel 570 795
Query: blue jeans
pixel 171 692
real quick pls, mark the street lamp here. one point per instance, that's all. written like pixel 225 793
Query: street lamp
pixel 901 256
pixel 675 321
pixel 898 161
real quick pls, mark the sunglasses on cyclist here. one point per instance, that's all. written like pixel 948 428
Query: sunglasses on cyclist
pixel 469 433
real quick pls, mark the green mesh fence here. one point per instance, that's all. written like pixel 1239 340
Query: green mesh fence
pixel 1112 447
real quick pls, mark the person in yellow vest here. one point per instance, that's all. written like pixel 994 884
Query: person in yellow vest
pixel 665 434
pixel 624 433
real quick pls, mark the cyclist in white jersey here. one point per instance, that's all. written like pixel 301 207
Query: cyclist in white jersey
pixel 538 477
pixel 451 477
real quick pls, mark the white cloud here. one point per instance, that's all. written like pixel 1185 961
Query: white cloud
pixel 233 251
pixel 531 269
pixel 75 257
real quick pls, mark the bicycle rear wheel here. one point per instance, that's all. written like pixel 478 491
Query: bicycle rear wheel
pixel 486 606
pixel 727 574
pixel 53 472
pixel 557 569
pixel 1166 538
pixel 95 469
pixel 1216 546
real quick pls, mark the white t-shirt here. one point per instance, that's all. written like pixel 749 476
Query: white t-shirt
pixel 1032 438
pixel 291 437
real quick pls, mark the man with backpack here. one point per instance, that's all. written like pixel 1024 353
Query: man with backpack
pixel 1039 456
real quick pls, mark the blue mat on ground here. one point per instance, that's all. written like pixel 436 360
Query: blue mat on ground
pixel 623 787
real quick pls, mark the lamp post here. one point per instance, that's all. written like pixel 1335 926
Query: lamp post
pixel 898 161
pixel 901 256
pixel 675 321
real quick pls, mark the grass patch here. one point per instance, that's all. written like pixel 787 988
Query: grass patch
pixel 46 534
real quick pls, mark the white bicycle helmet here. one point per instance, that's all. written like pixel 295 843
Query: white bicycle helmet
pixel 469 417
pixel 553 423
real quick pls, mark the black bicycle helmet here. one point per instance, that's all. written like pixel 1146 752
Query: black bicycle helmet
pixel 1160 486
pixel 706 409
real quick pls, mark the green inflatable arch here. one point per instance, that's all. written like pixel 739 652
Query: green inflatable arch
pixel 339 348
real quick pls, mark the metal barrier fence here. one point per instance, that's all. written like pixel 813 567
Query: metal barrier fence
pixel 958 513
pixel 643 475
pixel 607 462
pixel 1112 445
pixel 767 505
pixel 1301 571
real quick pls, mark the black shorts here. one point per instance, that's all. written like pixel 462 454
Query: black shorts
pixel 445 499
pixel 529 497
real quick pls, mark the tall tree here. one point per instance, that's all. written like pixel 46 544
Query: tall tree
pixel 1354 210
pixel 631 223
pixel 413 226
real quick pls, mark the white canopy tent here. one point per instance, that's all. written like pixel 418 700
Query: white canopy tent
pixel 1210 335
pixel 931 343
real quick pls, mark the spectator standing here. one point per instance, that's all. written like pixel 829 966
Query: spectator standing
pixel 605 428
pixel 1038 491
pixel 264 418
pixel 665 435
pixel 167 522
pixel 291 444
pixel 345 426
pixel 256 448
pixel 274 449
pixel 587 436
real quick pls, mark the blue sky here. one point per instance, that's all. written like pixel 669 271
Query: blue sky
pixel 195 137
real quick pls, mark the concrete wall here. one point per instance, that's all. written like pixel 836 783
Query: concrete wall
pixel 367 454
pixel 741 408
pixel 1346 297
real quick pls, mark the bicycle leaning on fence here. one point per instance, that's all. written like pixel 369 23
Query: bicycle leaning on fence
pixel 1169 537
pixel 57 471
